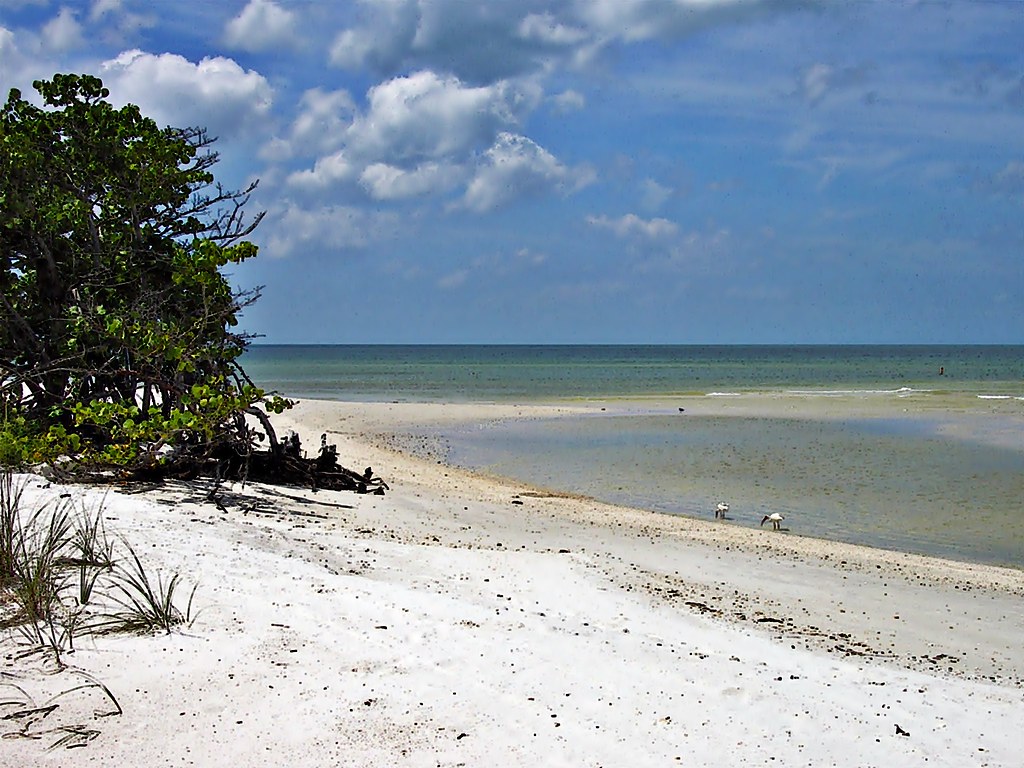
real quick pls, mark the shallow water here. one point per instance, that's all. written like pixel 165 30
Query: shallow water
pixel 915 448
pixel 895 483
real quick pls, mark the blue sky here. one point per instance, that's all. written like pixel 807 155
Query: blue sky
pixel 611 171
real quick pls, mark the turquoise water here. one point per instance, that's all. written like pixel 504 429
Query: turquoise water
pixel 935 467
pixel 509 373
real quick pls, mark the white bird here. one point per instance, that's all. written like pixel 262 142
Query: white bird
pixel 721 510
pixel 776 520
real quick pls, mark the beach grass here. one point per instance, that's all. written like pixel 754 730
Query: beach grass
pixel 145 604
pixel 61 577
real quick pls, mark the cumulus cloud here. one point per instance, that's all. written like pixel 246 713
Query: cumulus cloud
pixel 481 42
pixel 632 225
pixel 516 167
pixel 328 171
pixel 425 115
pixel 323 114
pixel 320 125
pixel 388 182
pixel 383 42
pixel 63 32
pixel 261 26
pixel 296 229
pixel 215 93
pixel 478 42
pixel 428 134
pixel 12 61
pixel 419 134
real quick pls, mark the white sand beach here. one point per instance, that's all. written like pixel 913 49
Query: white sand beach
pixel 461 620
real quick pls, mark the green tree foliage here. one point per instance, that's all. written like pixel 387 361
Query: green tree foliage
pixel 117 326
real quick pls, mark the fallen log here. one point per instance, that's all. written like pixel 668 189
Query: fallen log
pixel 288 466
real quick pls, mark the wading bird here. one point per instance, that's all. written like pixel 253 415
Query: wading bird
pixel 721 510
pixel 776 520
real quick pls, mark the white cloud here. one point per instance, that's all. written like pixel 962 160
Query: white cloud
pixel 543 27
pixel 117 23
pixel 350 48
pixel 319 127
pixel 261 26
pixel 653 194
pixel 297 229
pixel 63 32
pixel 820 80
pixel 102 8
pixel 12 60
pixel 516 167
pixel 632 225
pixel 387 182
pixel 419 134
pixel 328 171
pixel 568 101
pixel 276 150
pixel 425 134
pixel 815 82
pixel 453 279
pixel 216 93
pixel 383 41
pixel 638 20
pixel 428 116
pixel 480 42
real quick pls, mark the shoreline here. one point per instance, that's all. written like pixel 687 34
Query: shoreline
pixel 467 620
pixel 820 562
pixel 400 426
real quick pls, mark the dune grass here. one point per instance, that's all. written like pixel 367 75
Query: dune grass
pixel 145 605
pixel 62 576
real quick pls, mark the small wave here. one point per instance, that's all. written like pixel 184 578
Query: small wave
pixel 1000 397
pixel 724 394
pixel 901 392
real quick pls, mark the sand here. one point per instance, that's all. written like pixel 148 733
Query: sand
pixel 462 620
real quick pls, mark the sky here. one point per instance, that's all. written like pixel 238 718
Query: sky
pixel 590 171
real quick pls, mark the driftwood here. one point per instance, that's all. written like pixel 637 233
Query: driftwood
pixel 285 464
pixel 236 459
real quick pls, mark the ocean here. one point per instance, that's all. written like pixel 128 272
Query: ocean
pixel 912 448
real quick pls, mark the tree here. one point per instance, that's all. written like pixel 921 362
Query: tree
pixel 117 325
